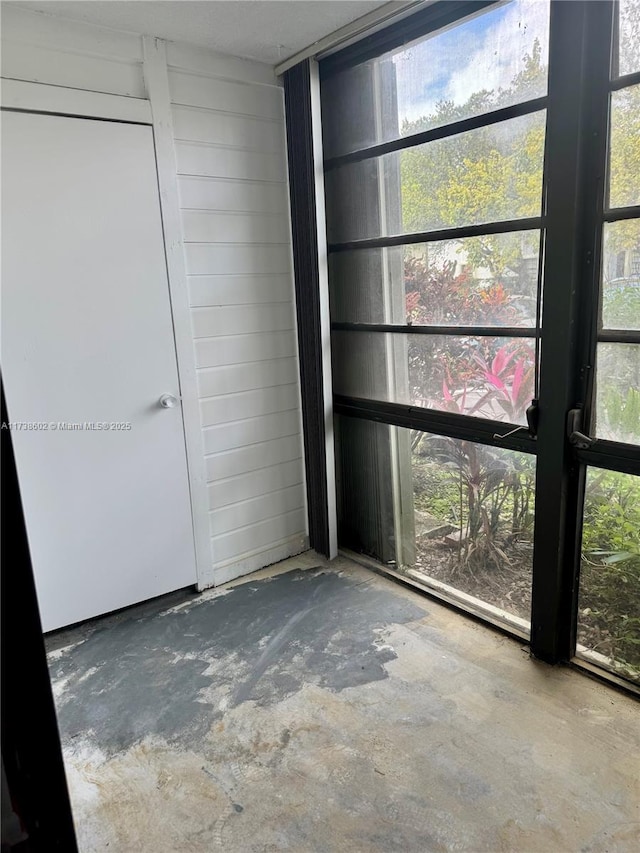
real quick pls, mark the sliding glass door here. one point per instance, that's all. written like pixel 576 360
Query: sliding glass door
pixel 468 308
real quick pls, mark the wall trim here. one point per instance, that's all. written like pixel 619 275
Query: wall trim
pixel 45 98
pixel 157 85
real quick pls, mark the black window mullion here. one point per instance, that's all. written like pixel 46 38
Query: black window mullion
pixel 624 82
pixel 480 430
pixel 298 88
pixel 619 336
pixel 579 62
pixel 615 214
pixel 613 455
pixel 455 331
pixel 502 227
pixel 453 129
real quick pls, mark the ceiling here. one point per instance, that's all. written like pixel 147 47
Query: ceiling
pixel 266 30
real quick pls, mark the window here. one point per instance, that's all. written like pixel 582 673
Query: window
pixel 468 296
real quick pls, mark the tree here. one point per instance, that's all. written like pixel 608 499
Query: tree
pixel 485 175
pixel 495 173
pixel 488 174
pixel 629 26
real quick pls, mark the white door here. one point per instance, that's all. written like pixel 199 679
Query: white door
pixel 87 339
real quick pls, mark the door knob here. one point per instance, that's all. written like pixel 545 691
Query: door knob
pixel 168 401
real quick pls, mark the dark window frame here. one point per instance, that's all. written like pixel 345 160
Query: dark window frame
pixel 572 216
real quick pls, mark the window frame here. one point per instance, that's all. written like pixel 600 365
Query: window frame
pixel 572 217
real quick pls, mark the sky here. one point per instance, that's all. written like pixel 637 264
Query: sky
pixel 483 53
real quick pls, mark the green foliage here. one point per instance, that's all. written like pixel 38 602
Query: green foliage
pixel 435 490
pixel 612 512
pixel 625 147
pixel 610 574
pixel 481 376
pixel 620 414
pixel 486 492
pixel 621 306
pixel 629 11
pixel 488 174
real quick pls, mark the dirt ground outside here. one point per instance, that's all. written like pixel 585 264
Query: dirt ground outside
pixel 474 512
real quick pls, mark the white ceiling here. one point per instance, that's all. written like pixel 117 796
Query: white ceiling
pixel 267 30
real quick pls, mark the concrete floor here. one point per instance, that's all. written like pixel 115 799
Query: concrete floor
pixel 309 708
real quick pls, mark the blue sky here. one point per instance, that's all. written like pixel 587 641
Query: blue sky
pixel 483 53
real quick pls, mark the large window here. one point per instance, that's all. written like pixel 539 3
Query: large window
pixel 450 154
pixel 609 592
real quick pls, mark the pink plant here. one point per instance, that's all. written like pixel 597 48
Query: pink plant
pixel 479 376
pixel 506 381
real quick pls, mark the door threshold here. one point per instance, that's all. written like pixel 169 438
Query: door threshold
pixel 586 662
pixel 442 592
pixel 602 668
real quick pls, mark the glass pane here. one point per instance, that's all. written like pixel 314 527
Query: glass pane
pixel 489 174
pixel 486 281
pixel 479 376
pixel 629 45
pixel 624 170
pixel 493 60
pixel 618 392
pixel 467 511
pixel 621 275
pixel 609 602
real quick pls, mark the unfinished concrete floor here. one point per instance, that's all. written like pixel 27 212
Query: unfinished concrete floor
pixel 314 708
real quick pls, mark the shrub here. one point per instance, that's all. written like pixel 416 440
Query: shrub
pixel 610 573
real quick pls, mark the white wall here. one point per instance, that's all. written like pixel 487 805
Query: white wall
pixel 228 129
